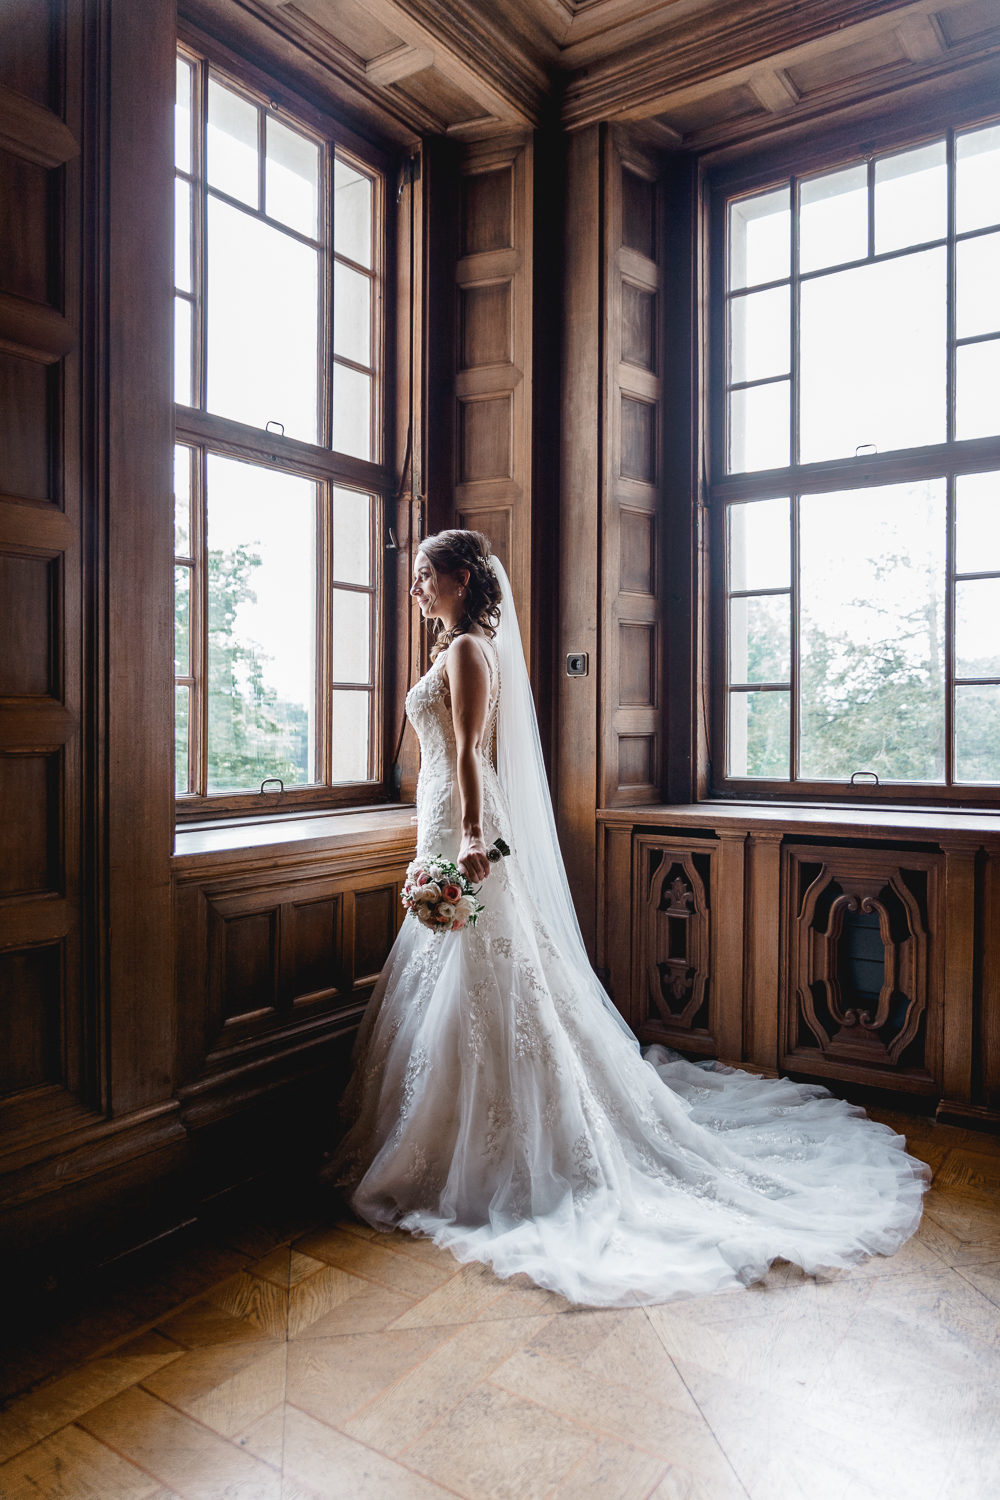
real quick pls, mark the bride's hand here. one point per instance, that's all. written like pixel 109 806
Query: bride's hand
pixel 472 859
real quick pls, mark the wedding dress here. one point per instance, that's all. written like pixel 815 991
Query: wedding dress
pixel 501 1105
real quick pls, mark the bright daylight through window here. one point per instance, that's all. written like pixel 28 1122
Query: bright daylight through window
pixel 277 473
pixel 860 468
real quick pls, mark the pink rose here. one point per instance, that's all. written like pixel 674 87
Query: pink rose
pixel 423 878
pixel 451 893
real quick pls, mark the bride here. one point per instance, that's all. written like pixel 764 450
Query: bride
pixel 501 1105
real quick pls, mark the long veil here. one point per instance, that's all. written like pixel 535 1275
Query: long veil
pixel 521 771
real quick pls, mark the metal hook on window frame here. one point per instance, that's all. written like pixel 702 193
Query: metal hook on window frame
pixel 876 782
pixel 872 446
pixel 268 780
pixel 273 423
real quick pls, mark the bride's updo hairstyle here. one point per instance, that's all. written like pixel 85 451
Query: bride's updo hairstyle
pixel 450 552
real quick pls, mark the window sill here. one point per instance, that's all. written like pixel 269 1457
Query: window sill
pixel 230 839
pixel 852 821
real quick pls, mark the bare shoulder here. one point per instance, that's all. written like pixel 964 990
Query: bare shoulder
pixel 466 661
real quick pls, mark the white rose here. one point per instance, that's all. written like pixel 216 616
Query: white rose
pixel 465 906
pixel 429 892
pixel 446 912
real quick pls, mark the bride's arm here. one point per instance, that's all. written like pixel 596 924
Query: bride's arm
pixel 469 681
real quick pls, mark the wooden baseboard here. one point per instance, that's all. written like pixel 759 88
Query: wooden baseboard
pixel 969 1116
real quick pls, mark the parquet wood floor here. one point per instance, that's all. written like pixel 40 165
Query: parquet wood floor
pixel 338 1364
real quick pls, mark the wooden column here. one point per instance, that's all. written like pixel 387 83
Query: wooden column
pixel 990 1020
pixel 763 938
pixel 727 967
pixel 959 916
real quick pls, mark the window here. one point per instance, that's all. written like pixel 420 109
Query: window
pixel 856 466
pixel 279 464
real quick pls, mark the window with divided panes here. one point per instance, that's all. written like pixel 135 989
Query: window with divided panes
pixel 278 462
pixel 856 474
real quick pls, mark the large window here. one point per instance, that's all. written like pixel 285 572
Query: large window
pixel 279 461
pixel 856 470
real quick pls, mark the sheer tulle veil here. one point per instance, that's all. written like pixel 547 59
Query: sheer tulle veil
pixel 521 772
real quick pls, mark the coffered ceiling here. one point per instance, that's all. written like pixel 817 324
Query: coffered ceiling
pixel 692 72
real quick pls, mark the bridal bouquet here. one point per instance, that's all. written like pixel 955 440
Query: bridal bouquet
pixel 439 895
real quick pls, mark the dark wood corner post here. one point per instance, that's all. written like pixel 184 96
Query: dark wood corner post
pixel 958 1008
pixel 762 937
pixel 133 516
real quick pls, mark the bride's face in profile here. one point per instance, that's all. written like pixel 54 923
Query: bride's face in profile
pixel 439 595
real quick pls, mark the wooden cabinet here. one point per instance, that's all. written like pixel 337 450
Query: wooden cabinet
pixel 800 940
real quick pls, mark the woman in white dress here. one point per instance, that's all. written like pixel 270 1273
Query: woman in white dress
pixel 499 1102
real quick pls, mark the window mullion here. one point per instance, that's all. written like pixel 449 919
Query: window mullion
pixel 793 707
pixel 324 644
pixel 951 355
pixel 949 634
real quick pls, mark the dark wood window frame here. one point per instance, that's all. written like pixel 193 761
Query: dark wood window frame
pixel 841 145
pixel 207 434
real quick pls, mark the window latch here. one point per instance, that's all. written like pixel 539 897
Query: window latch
pixel 853 780
pixel 272 423
pixel 269 781
pixel 868 449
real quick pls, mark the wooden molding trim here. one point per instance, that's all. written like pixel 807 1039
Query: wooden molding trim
pixel 31 131
pixel 708 47
pixel 34 330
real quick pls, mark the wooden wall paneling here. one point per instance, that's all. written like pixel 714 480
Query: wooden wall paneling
pixel 615 943
pixel 958 1002
pixel 861 994
pixel 631 630
pixel 989 1028
pixel 279 951
pixel 576 748
pixel 44 1042
pixel 493 356
pixel 762 937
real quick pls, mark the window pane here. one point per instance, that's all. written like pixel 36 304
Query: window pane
pixel 351 536
pixel 182 723
pixel 759 545
pixel 261 626
pixel 262 323
pixel 182 235
pixel 977 523
pixel 351 637
pixel 978 264
pixel 911 198
pixel 977 395
pixel 182 622
pixel 352 315
pixel 759 428
pixel 350 736
pixel 352 395
pixel 759 332
pixel 872 632
pixel 232 144
pixel 182 500
pixel 759 239
pixel 760 639
pixel 352 214
pixel 978 173
pixel 833 218
pixel 977 628
pixel 182 117
pixel 977 733
pixel 873 357
pixel 182 351
pixel 760 735
pixel 292 178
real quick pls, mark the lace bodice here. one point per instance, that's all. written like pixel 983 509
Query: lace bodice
pixel 439 802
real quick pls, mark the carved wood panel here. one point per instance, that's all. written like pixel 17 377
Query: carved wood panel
pixel 675 891
pixel 862 993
